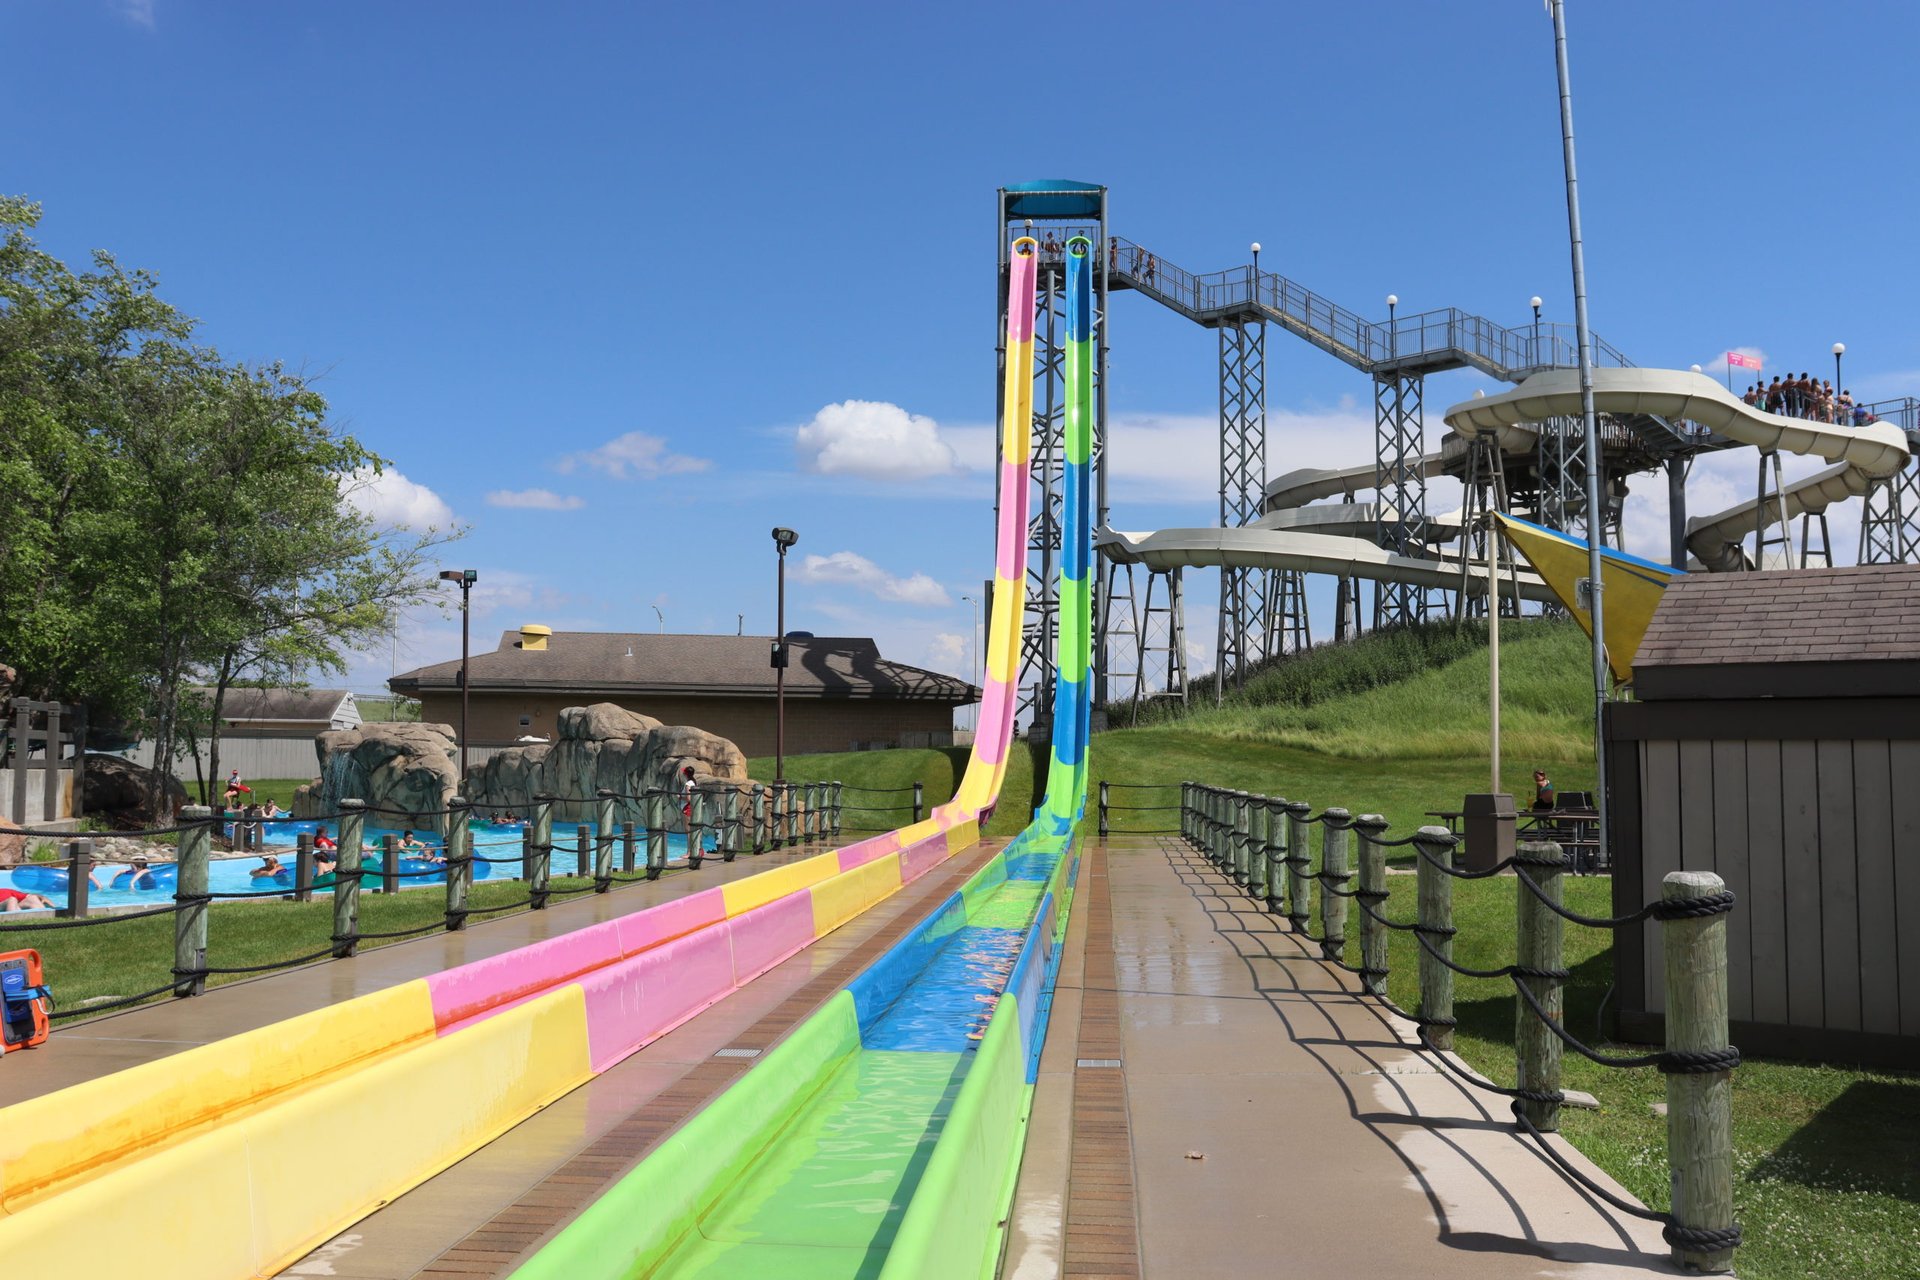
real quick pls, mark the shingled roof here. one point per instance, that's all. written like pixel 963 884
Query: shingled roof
pixel 616 663
pixel 293 706
pixel 1799 633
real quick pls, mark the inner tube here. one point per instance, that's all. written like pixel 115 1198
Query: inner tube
pixel 50 879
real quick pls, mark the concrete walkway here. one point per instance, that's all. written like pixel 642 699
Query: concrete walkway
pixel 1267 1119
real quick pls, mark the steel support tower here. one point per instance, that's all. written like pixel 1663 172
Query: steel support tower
pixel 1053 211
pixel 1890 521
pixel 1399 433
pixel 1245 594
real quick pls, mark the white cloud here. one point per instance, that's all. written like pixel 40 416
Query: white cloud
pixel 138 12
pixel 873 440
pixel 948 649
pixel 535 500
pixel 635 455
pixel 852 569
pixel 392 501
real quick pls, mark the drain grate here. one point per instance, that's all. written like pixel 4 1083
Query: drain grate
pixel 736 1053
pixel 1097 1062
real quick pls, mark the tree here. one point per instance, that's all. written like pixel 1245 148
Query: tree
pixel 170 514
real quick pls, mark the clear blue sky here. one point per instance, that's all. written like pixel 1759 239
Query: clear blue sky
pixel 509 237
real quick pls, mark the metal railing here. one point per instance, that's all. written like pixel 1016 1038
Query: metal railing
pixel 1429 340
pixel 1263 845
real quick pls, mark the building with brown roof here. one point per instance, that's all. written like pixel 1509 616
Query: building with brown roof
pixel 1776 743
pixel 841 694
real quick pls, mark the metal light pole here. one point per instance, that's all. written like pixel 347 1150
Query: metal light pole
pixel 1393 334
pixel 1256 271
pixel 973 667
pixel 782 539
pixel 1535 300
pixel 1596 521
pixel 662 617
pixel 466 578
pixel 1839 349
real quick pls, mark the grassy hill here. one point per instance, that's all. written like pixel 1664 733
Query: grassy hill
pixel 1340 725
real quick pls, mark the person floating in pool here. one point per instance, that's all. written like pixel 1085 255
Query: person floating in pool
pixel 321 840
pixel 272 809
pixel 410 841
pixel 137 876
pixel 269 867
pixel 20 900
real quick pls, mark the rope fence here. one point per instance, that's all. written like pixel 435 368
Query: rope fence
pixel 1263 844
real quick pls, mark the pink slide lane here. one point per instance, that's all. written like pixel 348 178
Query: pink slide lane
pixel 636 1001
pixel 922 856
pixel 765 936
pixel 669 920
pixel 865 851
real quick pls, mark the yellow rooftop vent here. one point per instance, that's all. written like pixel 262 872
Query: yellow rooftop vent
pixel 534 637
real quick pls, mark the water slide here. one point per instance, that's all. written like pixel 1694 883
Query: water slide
pixel 234 1159
pixel 883 1136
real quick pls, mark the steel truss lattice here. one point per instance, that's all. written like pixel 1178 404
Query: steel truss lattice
pixel 1399 423
pixel 1890 523
pixel 1039 625
pixel 1146 637
pixel 1241 639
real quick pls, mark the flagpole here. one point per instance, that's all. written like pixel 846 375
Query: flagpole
pixel 1596 517
pixel 1493 644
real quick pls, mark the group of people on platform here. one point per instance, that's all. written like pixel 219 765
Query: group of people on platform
pixel 1808 397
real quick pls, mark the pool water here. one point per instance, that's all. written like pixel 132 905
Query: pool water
pixel 234 874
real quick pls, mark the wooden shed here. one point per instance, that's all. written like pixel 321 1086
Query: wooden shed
pixel 1776 742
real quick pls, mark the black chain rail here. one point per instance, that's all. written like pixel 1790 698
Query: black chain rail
pixel 43 925
pixel 108 1006
pixel 1697 1239
pixel 1140 808
pixel 505 906
pixel 206 971
pixel 390 933
pixel 869 791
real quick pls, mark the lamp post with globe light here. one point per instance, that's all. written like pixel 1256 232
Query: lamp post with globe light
pixel 782 539
pixel 466 579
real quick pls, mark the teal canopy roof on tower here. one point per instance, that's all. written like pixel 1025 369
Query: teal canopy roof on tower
pixel 1054 198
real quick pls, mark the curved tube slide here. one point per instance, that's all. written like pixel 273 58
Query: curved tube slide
pixel 289 1133
pixel 1863 454
pixel 883 1137
pixel 1254 548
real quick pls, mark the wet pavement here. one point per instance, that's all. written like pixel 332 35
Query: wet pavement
pixel 1265 1118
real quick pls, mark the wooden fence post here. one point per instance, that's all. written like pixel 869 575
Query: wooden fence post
pixel 303 867
pixel 190 883
pixel 656 834
pixel 628 843
pixel 1186 812
pixel 1256 847
pixel 1299 861
pixel 816 793
pixel 835 804
pixel 389 863
pixel 603 843
pixel 540 852
pixel 1106 825
pixel 1699 1103
pixel 919 801
pixel 459 853
pixel 1242 831
pixel 1276 853
pixel 1367 829
pixel 1539 935
pixel 79 878
pixel 1334 876
pixel 729 824
pixel 346 878
pixel 696 816
pixel 1435 888
pixel 759 818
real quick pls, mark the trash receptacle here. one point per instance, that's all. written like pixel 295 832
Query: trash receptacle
pixel 1487 822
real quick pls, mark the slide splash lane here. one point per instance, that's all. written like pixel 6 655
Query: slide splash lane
pixel 883 1137
pixel 289 1133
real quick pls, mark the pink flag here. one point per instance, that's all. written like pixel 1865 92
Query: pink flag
pixel 1737 361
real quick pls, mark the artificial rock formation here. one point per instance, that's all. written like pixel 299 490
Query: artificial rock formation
pixel 604 747
pixel 404 772
pixel 122 792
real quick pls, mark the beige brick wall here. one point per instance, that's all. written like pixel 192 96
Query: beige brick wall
pixel 813 724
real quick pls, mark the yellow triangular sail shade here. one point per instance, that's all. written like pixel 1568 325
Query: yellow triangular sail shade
pixel 1633 586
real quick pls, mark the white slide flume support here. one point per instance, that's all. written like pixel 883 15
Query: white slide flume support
pixel 1862 455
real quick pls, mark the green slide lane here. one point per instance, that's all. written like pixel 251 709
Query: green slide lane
pixel 826 1199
